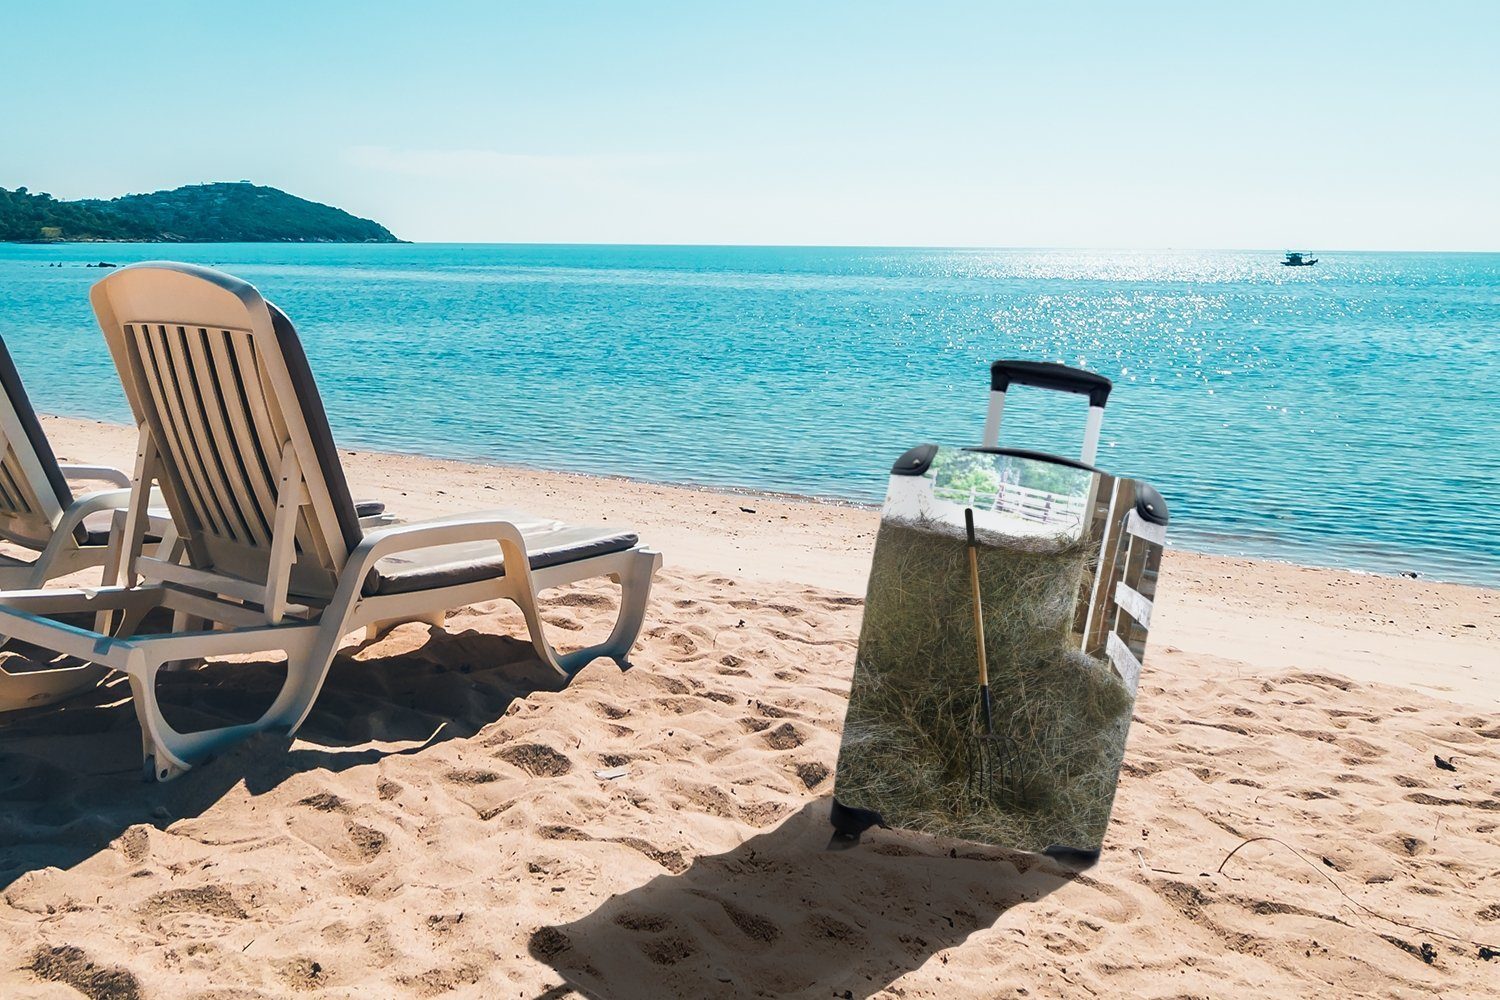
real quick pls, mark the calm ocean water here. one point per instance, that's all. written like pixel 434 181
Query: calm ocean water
pixel 1339 415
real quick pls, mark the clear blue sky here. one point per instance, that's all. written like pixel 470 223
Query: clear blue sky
pixel 1321 124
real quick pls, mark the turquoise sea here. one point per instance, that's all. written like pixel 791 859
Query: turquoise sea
pixel 1340 415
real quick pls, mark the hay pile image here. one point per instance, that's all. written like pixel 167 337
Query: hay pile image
pixel 913 746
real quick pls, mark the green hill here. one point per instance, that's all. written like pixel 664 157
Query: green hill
pixel 198 213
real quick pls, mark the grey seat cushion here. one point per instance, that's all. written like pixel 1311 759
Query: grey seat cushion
pixel 548 543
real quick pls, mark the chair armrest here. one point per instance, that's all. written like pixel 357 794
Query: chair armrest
pixel 100 473
pixel 404 537
pixel 92 503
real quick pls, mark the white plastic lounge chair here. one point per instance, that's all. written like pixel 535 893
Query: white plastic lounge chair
pixel 57 532
pixel 38 511
pixel 232 427
pixel 68 534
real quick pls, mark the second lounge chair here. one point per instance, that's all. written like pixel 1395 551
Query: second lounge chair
pixel 275 558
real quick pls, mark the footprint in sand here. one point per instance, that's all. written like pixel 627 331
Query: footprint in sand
pixel 135 843
pixel 304 974
pixel 784 737
pixel 812 773
pixel 214 900
pixel 671 685
pixel 563 620
pixel 753 926
pixel 672 861
pixel 709 799
pixel 835 600
pixel 324 802
pixel 837 933
pixel 71 966
pixel 583 599
pixel 536 759
pixel 763 814
pixel 669 949
pixel 680 706
pixel 382 885
pixel 438 982
pixel 549 942
pixel 365 842
pixel 199 912
pixel 646 923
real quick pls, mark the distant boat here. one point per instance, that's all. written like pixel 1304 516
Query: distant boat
pixel 1294 259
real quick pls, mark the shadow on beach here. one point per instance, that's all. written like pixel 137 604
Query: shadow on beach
pixel 781 915
pixel 70 773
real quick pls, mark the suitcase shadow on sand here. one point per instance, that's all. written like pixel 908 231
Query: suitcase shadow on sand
pixel 781 915
pixel 70 777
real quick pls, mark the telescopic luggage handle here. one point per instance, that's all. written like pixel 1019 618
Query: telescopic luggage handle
pixel 1048 375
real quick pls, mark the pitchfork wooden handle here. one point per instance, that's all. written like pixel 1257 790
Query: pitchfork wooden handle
pixel 984 669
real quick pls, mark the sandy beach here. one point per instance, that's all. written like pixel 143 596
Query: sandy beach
pixel 1310 802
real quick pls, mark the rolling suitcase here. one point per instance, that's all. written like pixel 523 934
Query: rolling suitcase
pixel 1005 625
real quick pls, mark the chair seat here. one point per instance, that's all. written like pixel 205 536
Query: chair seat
pixel 548 543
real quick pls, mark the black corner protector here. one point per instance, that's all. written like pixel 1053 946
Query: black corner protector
pixel 1149 504
pixel 849 824
pixel 916 461
pixel 1073 857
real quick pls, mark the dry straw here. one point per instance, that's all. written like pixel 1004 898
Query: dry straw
pixel 1060 717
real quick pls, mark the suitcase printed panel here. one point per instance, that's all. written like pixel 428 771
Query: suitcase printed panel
pixel 1057 573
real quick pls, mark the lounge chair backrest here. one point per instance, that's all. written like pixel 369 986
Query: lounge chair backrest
pixel 219 378
pixel 33 490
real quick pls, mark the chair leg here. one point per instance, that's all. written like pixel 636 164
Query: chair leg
pixel 635 594
pixel 167 753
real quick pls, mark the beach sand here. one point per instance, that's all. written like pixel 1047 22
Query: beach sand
pixel 442 827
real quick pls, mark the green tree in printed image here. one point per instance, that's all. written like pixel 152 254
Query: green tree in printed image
pixel 958 472
pixel 1049 477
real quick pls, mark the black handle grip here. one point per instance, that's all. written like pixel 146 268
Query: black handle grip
pixel 1050 375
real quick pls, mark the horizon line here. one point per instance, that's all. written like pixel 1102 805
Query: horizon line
pixel 736 246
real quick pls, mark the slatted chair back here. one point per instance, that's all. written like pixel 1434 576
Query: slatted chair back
pixel 33 491
pixel 232 427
